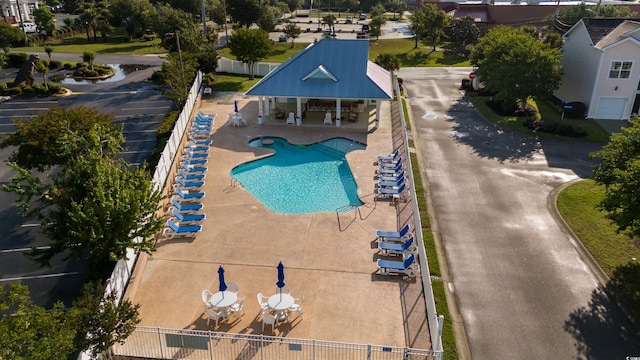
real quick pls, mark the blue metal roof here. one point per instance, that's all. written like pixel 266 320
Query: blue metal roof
pixel 330 68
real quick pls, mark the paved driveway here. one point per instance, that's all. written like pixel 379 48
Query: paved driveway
pixel 521 287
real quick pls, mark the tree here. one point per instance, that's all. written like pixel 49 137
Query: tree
pixel 377 10
pixel 267 19
pixel 217 12
pixel 619 171
pixel 99 321
pixel 49 50
pixel 388 61
pixel 418 24
pixel 567 16
pixel 292 31
pixel 43 69
pixel 170 22
pixel 293 5
pixel 244 12
pixel 435 21
pixel 330 20
pixel 44 19
pixel 28 331
pixel 59 134
pixel 516 66
pixel 178 72
pixel 250 46
pixel 9 35
pixel 462 32
pixel 375 26
pixel 553 40
pixel 89 57
pixel 133 16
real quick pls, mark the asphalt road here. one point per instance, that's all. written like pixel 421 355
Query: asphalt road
pixel 136 104
pixel 521 288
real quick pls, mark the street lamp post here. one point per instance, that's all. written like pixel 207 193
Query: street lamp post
pixel 26 42
pixel 177 36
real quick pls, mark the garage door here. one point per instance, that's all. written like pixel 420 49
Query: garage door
pixel 611 108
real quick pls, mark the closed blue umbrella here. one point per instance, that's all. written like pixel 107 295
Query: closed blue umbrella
pixel 222 286
pixel 280 282
pixel 235 105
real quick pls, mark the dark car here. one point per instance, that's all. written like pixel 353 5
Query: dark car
pixel 365 28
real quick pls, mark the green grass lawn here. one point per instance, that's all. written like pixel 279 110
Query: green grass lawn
pixel 549 113
pixel 613 251
pixel 403 48
pixel 117 43
pixel 233 82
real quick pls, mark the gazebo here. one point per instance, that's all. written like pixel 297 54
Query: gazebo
pixel 332 76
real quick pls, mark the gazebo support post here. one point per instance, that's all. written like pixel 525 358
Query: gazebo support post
pixel 260 110
pixel 338 115
pixel 298 111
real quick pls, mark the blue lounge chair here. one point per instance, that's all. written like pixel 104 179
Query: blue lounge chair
pixel 390 193
pixel 192 161
pixel 186 184
pixel 198 132
pixel 393 247
pixel 187 218
pixel 390 171
pixel 186 194
pixel 205 127
pixel 175 229
pixel 407 266
pixel 185 207
pixel 206 116
pixel 192 168
pixel 394 235
pixel 191 176
pixel 390 165
pixel 198 148
pixel 195 141
pixel 399 181
pixel 390 177
pixel 391 157
pixel 196 154
pixel 203 121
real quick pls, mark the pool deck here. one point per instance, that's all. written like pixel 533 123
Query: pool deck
pixel 328 258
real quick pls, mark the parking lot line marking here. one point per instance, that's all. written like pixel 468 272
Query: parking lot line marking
pixel 20 278
pixel 141 108
pixel 139 132
pixel 23 249
pixel 136 152
pixel 31 225
pixel 128 116
pixel 26 109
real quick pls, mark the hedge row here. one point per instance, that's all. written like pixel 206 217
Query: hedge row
pixel 33 90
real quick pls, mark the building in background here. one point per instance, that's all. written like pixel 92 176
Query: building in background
pixel 9 10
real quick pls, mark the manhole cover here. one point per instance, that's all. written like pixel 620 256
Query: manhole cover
pixel 430 116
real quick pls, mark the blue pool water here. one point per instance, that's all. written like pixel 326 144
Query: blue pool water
pixel 301 179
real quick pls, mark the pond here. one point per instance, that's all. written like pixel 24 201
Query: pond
pixel 121 71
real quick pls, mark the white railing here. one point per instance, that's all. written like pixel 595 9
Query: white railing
pixel 162 343
pixel 117 282
pixel 435 322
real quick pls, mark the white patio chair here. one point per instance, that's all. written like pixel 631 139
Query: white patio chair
pixel 327 119
pixel 238 307
pixel 268 319
pixel 215 315
pixel 206 295
pixel 291 119
pixel 232 286
pixel 297 306
pixel 264 304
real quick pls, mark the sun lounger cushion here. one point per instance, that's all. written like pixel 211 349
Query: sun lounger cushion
pixel 382 234
pixel 185 207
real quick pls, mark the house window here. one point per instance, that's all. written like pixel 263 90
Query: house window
pixel 620 70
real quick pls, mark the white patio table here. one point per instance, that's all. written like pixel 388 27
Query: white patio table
pixel 280 303
pixel 223 299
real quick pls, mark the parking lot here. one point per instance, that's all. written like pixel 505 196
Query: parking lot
pixel 135 104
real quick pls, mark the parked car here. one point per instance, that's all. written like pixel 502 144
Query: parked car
pixel 362 35
pixel 349 20
pixel 28 27
pixel 363 16
pixel 365 28
pixel 282 38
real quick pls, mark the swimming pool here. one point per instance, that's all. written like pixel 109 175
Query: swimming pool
pixel 301 179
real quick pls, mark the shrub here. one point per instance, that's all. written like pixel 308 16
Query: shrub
pixel 578 110
pixel 45 62
pixel 149 37
pixel 55 64
pixel 16 59
pixel 67 66
pixel 28 90
pixel 158 77
pixel 39 89
pixel 54 88
pixel 81 65
pixel 13 91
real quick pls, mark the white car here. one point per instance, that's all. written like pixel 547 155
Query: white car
pixel 29 27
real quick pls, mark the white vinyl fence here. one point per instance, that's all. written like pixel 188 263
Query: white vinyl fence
pixel 236 67
pixel 160 343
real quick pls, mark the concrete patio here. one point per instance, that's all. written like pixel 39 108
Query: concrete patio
pixel 328 257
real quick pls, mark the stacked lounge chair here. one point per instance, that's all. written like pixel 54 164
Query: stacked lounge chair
pixel 391 178
pixel 184 212
pixel 399 249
